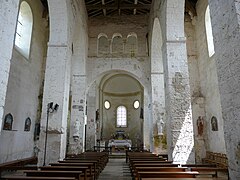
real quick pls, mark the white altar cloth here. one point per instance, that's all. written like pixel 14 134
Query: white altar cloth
pixel 120 143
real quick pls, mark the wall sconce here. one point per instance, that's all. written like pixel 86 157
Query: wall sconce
pixel 50 109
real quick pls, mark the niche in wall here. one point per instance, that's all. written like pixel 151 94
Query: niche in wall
pixel 8 121
pixel 27 125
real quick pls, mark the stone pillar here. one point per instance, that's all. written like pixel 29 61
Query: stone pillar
pixel 178 98
pixel 147 121
pixel 91 118
pixel 77 127
pixel 56 90
pixel 225 17
pixel 157 83
pixel 8 16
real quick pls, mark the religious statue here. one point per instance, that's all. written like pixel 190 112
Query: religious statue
pixel 200 125
pixel 214 123
pixel 160 124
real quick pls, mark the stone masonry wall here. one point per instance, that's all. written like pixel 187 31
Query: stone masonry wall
pixel 226 23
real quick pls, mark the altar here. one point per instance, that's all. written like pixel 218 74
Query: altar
pixel 119 141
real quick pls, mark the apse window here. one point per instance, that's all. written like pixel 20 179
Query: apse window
pixel 136 104
pixel 208 26
pixel 121 116
pixel 107 105
pixel 24 29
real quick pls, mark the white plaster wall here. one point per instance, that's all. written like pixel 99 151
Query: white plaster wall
pixel 209 84
pixel 8 16
pixel 24 84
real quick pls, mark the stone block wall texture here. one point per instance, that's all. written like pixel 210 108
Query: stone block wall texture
pixel 225 22
pixel 25 80
pixel 209 84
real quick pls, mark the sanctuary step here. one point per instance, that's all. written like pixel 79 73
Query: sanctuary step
pixel 118 155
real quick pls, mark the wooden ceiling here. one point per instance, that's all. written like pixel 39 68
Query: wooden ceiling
pixel 127 7
pixel 124 7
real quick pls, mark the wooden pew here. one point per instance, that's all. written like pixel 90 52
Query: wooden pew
pixel 66 168
pixel 155 174
pixel 54 173
pixel 182 178
pixel 97 168
pixel 219 159
pixel 156 169
pixel 90 166
pixel 17 164
pixel 36 178
pixel 209 170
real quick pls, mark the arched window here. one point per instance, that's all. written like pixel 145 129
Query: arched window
pixel 121 116
pixel 208 26
pixel 24 29
pixel 131 45
pixel 8 121
pixel 117 44
pixel 103 44
pixel 27 125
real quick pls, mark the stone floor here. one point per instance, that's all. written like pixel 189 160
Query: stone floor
pixel 116 169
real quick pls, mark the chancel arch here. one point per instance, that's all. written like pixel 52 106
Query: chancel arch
pixel 121 90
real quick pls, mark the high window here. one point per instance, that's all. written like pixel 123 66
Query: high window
pixel 121 116
pixel 103 44
pixel 24 29
pixel 117 44
pixel 131 45
pixel 208 26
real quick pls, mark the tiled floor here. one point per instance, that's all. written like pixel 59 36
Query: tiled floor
pixel 116 169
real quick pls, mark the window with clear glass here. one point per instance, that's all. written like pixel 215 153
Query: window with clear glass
pixel 107 105
pixel 121 116
pixel 136 104
pixel 208 26
pixel 23 33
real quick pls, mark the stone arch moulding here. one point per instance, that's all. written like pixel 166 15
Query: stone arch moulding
pixel 132 74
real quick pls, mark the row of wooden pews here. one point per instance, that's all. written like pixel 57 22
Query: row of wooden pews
pixel 147 166
pixel 85 166
pixel 19 164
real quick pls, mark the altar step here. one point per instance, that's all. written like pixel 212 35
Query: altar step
pixel 118 155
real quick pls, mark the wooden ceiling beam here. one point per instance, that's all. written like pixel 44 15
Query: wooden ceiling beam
pixel 119 6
